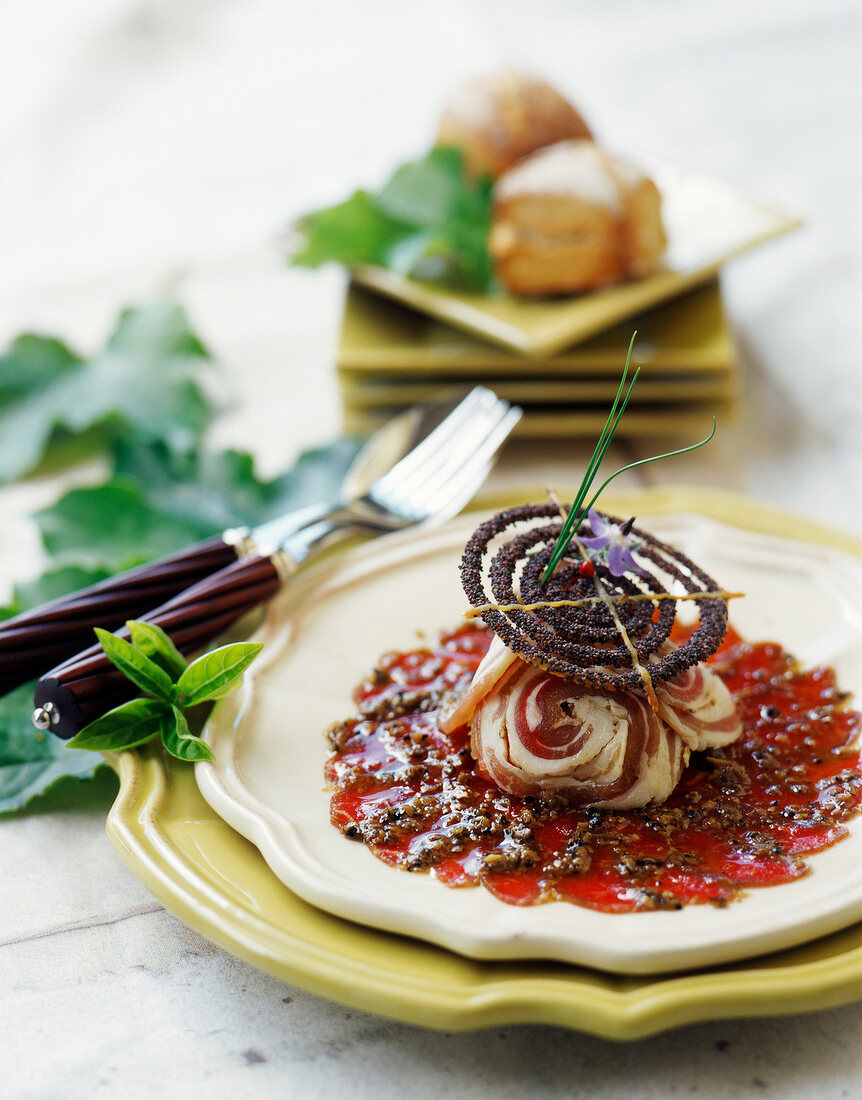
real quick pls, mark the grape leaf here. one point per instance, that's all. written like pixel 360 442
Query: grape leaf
pixel 428 221
pixel 158 502
pixel 432 190
pixel 144 384
pixel 161 501
pixel 355 231
pixel 115 526
pixel 50 586
pixel 33 763
pixel 139 400
pixel 55 583
pixel 31 363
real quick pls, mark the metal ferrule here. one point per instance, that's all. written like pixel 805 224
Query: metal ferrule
pixel 242 540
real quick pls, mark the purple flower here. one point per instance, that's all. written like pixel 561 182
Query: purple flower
pixel 612 542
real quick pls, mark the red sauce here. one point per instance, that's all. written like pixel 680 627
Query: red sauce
pixel 742 816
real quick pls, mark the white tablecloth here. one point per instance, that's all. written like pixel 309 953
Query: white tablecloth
pixel 147 144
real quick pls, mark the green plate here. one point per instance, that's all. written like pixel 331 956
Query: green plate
pixel 382 341
pixel 708 222
pixel 555 421
pixel 391 357
pixel 219 884
pixel 532 391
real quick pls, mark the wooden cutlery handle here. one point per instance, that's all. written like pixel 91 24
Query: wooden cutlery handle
pixel 87 685
pixel 40 639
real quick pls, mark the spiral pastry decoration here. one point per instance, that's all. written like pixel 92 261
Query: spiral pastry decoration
pixel 584 643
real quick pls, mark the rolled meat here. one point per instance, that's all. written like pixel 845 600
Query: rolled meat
pixel 699 707
pixel 533 733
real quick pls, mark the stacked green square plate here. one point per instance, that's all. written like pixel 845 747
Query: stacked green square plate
pixel 390 356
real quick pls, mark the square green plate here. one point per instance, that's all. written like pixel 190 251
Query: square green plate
pixel 708 222
pixel 382 341
pixel 559 421
pixel 391 357
pixel 218 883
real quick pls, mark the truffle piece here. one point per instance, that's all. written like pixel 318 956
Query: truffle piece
pixel 583 643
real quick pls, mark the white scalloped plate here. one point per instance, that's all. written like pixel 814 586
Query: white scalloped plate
pixel 329 627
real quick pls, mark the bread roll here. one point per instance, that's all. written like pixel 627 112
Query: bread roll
pixel 496 120
pixel 571 218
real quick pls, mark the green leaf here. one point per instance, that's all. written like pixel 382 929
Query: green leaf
pixel 96 794
pixel 135 666
pixel 217 673
pixel 356 231
pixel 215 490
pixel 143 384
pixel 161 501
pixel 182 744
pixel 316 476
pixel 124 727
pixel 158 331
pixel 54 584
pixel 425 192
pixel 32 763
pixel 31 363
pixel 138 399
pixel 50 586
pixel 114 525
pixel 429 221
pixel 165 493
pixel 152 641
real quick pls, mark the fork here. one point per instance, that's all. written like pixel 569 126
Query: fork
pixel 429 485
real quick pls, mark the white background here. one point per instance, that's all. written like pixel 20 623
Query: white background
pixel 147 144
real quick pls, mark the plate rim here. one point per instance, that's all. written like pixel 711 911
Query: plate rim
pixel 334 962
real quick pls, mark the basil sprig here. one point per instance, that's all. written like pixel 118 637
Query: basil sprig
pixel 154 664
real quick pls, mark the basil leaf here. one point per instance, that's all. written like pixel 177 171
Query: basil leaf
pixel 124 727
pixel 151 640
pixel 138 668
pixel 31 763
pixel 143 383
pixel 182 744
pixel 216 673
